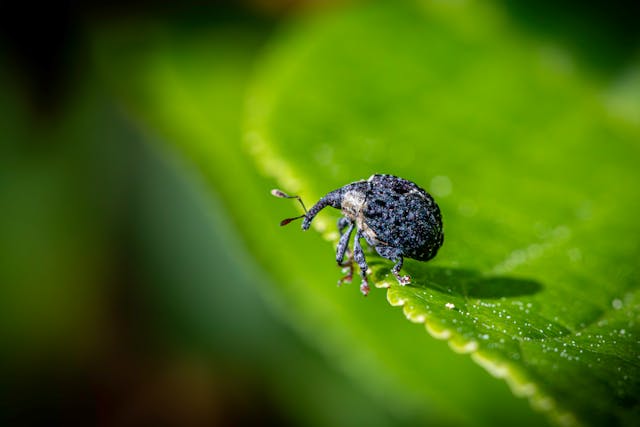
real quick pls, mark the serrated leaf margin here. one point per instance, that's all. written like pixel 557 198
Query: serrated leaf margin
pixel 516 378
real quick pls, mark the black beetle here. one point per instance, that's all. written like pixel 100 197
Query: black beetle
pixel 394 215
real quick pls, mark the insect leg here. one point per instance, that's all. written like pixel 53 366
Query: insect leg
pixel 343 245
pixel 343 222
pixel 395 255
pixel 358 255
pixel 403 280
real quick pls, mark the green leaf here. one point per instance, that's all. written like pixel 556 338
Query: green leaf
pixel 536 177
pixel 186 86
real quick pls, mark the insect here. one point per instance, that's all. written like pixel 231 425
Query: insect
pixel 395 216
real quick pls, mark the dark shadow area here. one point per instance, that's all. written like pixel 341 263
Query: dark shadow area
pixel 48 48
pixel 603 34
pixel 459 281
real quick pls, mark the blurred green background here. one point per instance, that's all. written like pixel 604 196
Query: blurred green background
pixel 130 292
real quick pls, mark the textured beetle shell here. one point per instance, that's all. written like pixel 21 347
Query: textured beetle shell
pixel 394 215
pixel 399 214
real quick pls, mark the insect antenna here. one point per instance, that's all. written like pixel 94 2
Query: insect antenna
pixel 281 194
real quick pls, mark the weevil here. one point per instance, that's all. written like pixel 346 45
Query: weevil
pixel 394 216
